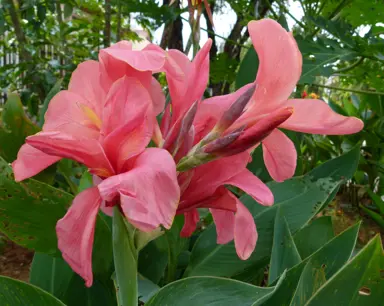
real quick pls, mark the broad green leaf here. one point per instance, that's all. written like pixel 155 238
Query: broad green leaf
pixel 29 211
pixel 68 10
pixel 248 68
pixel 17 293
pixel 331 257
pixel 146 288
pixel 14 128
pixel 212 291
pixel 55 89
pixel 310 281
pixel 377 200
pixel 374 215
pixel 299 199
pixel 284 252
pixel 359 282
pixel 125 259
pixel 312 237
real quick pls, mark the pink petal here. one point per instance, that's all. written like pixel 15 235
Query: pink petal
pixel 225 224
pixel 72 114
pixel 245 232
pixel 31 161
pixel 207 178
pixel 75 233
pixel 279 156
pixel 157 96
pixel 129 140
pixel 126 99
pixel 190 221
pixel 252 185
pixel 316 117
pixel 280 63
pixel 86 151
pixel 150 187
pixel 85 81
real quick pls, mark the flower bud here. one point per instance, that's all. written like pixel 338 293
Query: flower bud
pixel 222 142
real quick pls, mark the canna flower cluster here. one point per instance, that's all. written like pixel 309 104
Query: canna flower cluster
pixel 107 118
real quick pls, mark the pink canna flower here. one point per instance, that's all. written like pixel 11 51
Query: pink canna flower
pixel 108 132
pixel 184 125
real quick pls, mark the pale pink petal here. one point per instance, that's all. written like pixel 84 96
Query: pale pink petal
pixel 86 151
pixel 85 81
pixel 316 117
pixel 126 99
pixel 225 224
pixel 245 232
pixel 279 63
pixel 280 156
pixel 190 221
pixel 31 161
pixel 252 185
pixel 150 184
pixel 72 114
pixel 157 95
pixel 75 233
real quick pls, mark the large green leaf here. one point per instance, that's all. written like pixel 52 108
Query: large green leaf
pixel 14 128
pixel 310 281
pixel 284 252
pixel 312 237
pixel 299 199
pixel 28 214
pixel 212 291
pixel 330 258
pixel 16 293
pixel 359 282
pixel 248 68
pixel 55 89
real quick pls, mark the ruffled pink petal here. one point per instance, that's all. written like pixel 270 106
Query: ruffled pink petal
pixel 85 81
pixel 280 156
pixel 225 224
pixel 190 221
pixel 280 63
pixel 316 117
pixel 245 232
pixel 86 151
pixel 72 114
pixel 252 185
pixel 75 233
pixel 126 99
pixel 150 186
pixel 31 161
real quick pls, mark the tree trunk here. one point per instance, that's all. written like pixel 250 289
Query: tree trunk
pixel 172 37
pixel 107 23
pixel 118 30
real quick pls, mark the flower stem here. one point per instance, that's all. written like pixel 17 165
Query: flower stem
pixel 125 259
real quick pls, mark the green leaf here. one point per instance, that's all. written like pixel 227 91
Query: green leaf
pixel 331 257
pixel 310 281
pixel 146 288
pixel 299 199
pixel 55 89
pixel 16 293
pixel 284 252
pixel 14 128
pixel 68 10
pixel 212 291
pixel 125 259
pixel 56 277
pixel 153 260
pixel 248 68
pixel 359 282
pixel 377 200
pixel 28 214
pixel 374 215
pixel 312 237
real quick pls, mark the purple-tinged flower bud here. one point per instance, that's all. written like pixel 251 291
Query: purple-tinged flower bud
pixel 222 142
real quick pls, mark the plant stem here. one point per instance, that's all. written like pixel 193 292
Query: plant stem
pixel 125 259
pixel 351 90
pixel 350 67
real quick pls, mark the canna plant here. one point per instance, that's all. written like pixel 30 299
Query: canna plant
pixel 167 212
